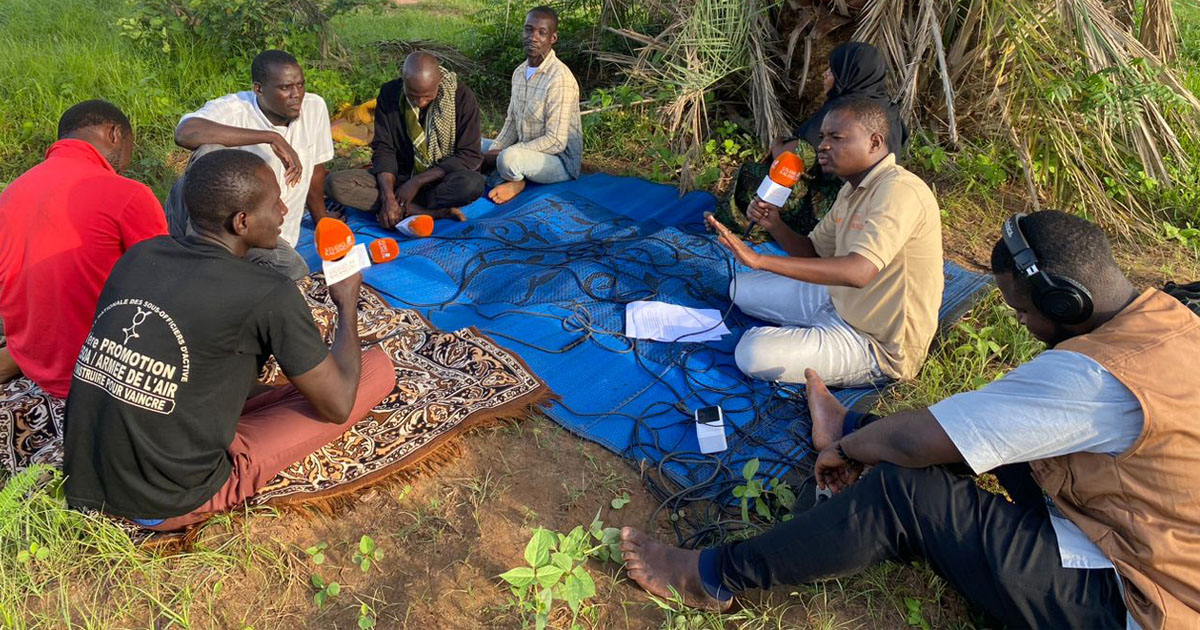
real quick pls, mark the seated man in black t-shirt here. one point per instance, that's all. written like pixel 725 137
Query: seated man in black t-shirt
pixel 159 428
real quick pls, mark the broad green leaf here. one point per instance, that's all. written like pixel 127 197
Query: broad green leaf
pixel 577 587
pixel 366 545
pixel 317 581
pixel 739 491
pixel 586 582
pixel 620 502
pixel 319 599
pixel 575 543
pixel 549 575
pixel 561 560
pixel 519 577
pixel 750 469
pixel 787 498
pixel 333 589
pixel 537 552
pixel 42 553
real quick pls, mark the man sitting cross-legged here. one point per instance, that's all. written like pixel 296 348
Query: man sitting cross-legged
pixel 283 124
pixel 161 427
pixel 425 153
pixel 63 225
pixel 542 139
pixel 1103 423
pixel 857 299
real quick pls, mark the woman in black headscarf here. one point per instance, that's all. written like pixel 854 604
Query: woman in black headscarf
pixel 856 70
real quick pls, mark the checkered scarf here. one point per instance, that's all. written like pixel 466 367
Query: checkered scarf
pixel 433 139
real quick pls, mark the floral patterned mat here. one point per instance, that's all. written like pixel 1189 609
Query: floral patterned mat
pixel 446 383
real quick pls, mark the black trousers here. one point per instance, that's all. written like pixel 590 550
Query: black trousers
pixel 357 188
pixel 1003 557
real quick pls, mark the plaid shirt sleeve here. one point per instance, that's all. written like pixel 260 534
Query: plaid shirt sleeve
pixel 508 133
pixel 562 104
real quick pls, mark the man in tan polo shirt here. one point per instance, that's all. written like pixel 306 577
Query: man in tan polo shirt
pixel 857 299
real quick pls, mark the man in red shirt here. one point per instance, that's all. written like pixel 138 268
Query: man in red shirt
pixel 63 225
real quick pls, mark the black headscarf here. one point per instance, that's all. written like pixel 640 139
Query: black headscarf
pixel 858 72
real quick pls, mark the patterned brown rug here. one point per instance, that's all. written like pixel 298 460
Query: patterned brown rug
pixel 446 383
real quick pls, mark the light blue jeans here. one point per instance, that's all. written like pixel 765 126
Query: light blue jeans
pixel 515 164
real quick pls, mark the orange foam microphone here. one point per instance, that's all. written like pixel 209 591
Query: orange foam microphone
pixel 416 226
pixel 776 187
pixel 334 239
pixel 384 250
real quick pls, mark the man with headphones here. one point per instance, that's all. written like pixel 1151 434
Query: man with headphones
pixel 1095 441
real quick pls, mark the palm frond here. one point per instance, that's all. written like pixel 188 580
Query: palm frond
pixel 1159 34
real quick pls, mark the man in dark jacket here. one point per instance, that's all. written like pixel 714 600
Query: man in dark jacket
pixel 426 149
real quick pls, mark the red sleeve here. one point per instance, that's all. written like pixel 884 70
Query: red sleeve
pixel 143 218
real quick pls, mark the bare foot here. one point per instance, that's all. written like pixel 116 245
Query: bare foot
pixel 438 213
pixel 506 191
pixel 826 411
pixel 657 567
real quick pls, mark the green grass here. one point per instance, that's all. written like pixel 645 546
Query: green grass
pixel 55 53
pixel 441 21
pixel 62 568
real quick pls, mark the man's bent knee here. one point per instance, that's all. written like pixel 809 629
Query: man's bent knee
pixel 378 377
pixel 472 185
pixel 753 356
pixel 355 188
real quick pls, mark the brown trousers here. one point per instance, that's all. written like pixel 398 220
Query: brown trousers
pixel 278 429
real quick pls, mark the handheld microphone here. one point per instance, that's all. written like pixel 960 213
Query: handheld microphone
pixel 418 225
pixel 384 250
pixel 334 239
pixel 776 187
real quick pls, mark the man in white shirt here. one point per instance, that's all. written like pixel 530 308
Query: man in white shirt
pixel 285 126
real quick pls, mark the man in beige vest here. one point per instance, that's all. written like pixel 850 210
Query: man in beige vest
pixel 1095 440
pixel 857 298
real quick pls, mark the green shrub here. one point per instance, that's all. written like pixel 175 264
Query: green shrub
pixel 239 27
pixel 582 38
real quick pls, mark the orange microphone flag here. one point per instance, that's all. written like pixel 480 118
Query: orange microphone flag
pixel 384 250
pixel 786 169
pixel 334 239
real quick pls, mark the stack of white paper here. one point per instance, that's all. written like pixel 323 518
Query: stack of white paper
pixel 670 322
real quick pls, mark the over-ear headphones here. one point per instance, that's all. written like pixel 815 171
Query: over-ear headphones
pixel 1059 298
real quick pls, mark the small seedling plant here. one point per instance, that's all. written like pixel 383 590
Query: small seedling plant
pixel 35 553
pixel 771 499
pixel 366 617
pixel 555 570
pixel 367 554
pixel 316 553
pixel 325 590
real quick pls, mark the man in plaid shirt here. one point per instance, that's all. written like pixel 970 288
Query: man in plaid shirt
pixel 542 138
